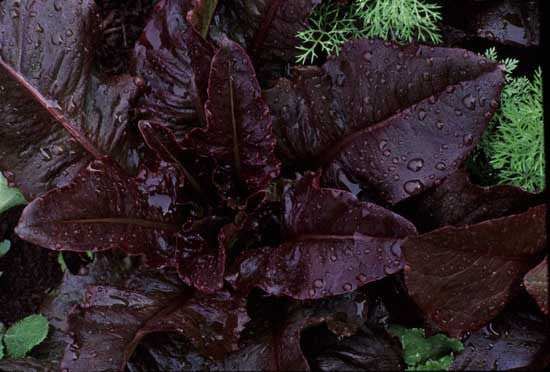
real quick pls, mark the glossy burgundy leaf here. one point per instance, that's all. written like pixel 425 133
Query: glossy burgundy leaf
pixel 167 352
pixel 201 254
pixel 457 201
pixel 508 22
pixel 368 350
pixel 238 130
pixel 510 342
pixel 102 209
pixel 335 244
pixel 112 321
pixel 27 365
pixel 462 277
pixel 397 119
pixel 276 347
pixel 267 28
pixel 173 60
pixel 536 283
pixel 56 115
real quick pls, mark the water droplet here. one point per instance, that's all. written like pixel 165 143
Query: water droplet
pixel 493 104
pixel 347 287
pixel 468 139
pixel 440 166
pixel 469 102
pixel 415 165
pixel 413 187
pixel 367 56
pixel 362 278
pixel 318 283
pixel 422 114
pixel 386 153
pixel 382 144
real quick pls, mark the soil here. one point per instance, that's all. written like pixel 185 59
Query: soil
pixel 28 273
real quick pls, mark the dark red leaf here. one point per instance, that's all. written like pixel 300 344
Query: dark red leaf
pixel 457 201
pixel 508 22
pixel 462 277
pixel 267 28
pixel 111 322
pixel 335 244
pixel 510 342
pixel 276 347
pixel 173 59
pixel 56 115
pixel 238 131
pixel 201 254
pixel 397 119
pixel 102 209
pixel 536 283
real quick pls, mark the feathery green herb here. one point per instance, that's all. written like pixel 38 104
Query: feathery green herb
pixel 513 144
pixel 331 25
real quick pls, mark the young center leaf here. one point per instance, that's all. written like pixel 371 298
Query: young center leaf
pixel 173 60
pixel 238 132
pixel 56 115
pixel 335 244
pixel 397 119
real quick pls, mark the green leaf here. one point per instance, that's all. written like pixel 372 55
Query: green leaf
pixel 331 25
pixel 9 197
pixel 61 262
pixel 4 247
pixel 441 364
pixel 419 350
pixel 2 331
pixel 21 337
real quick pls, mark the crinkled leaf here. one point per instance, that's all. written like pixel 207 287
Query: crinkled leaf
pixel 167 352
pixel 457 201
pixel 9 197
pixel 173 60
pixel 267 28
pixel 21 337
pixel 103 209
pixel 55 114
pixel 238 131
pixel 201 258
pixel 335 244
pixel 536 283
pixel 371 349
pixel 512 341
pixel 441 364
pixel 277 347
pixel 462 277
pixel 397 119
pixel 111 322
pixel 508 22
pixel 419 349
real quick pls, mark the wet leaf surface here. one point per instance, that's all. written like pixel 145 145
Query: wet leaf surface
pixel 463 282
pixel 397 130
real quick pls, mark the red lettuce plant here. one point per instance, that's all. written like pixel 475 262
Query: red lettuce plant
pixel 268 225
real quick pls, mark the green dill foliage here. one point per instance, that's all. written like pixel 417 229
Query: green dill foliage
pixel 331 25
pixel 21 337
pixel 422 353
pixel 513 144
pixel 9 197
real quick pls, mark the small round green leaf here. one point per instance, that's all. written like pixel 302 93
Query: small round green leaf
pixel 21 337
